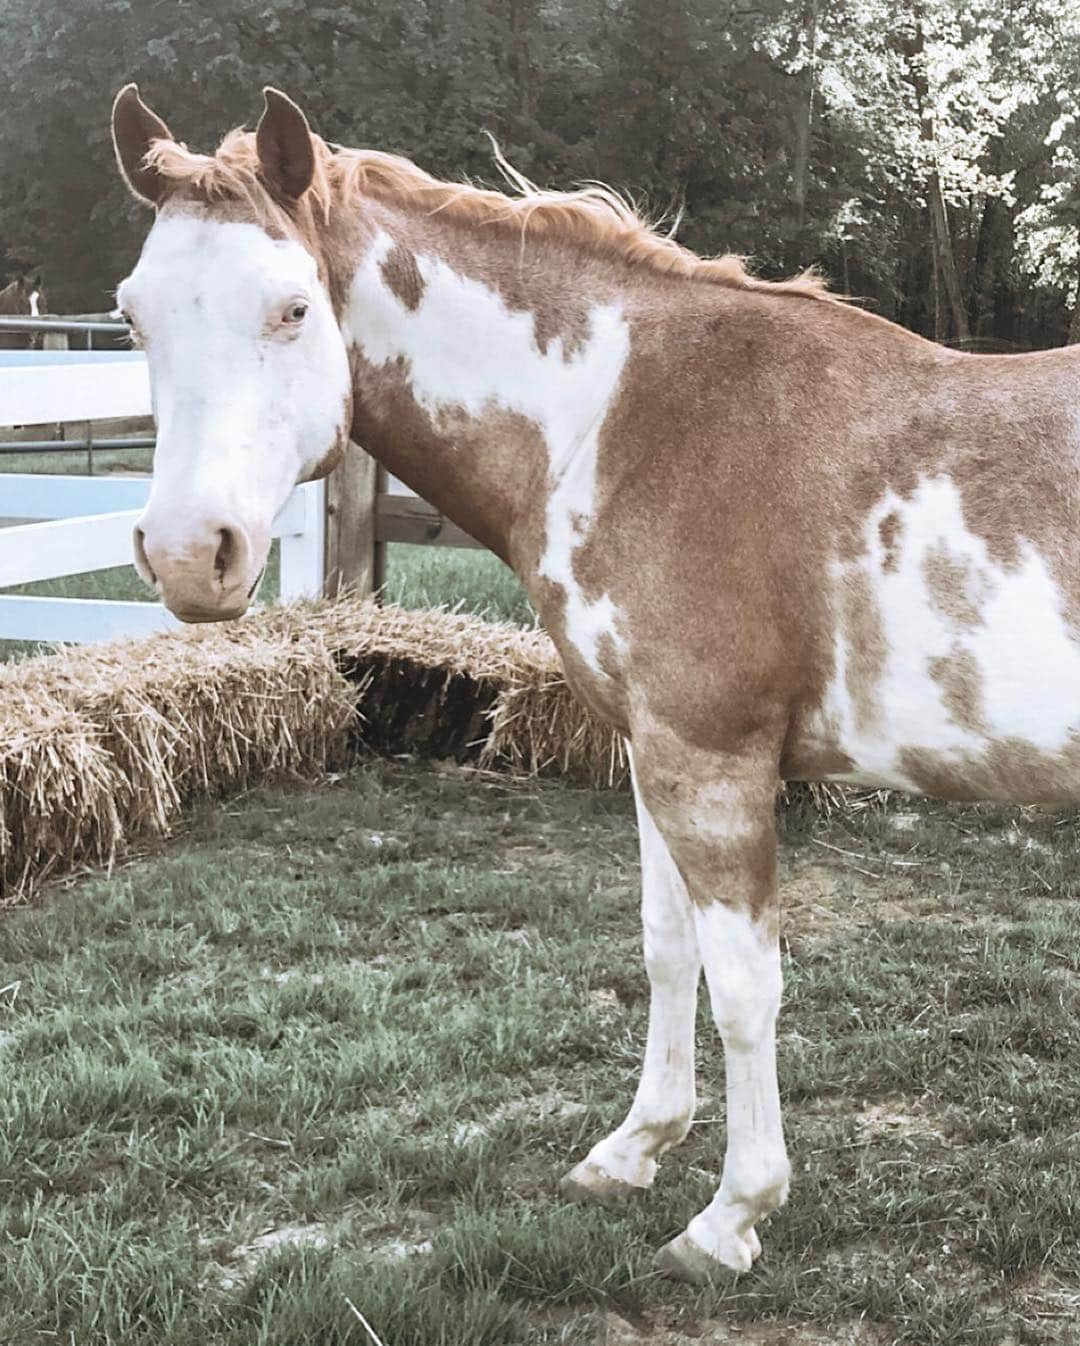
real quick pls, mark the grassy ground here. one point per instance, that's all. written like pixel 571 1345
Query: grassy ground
pixel 334 1047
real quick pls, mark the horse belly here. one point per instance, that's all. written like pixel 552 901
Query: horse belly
pixel 955 673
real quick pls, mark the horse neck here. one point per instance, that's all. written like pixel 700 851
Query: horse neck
pixel 483 364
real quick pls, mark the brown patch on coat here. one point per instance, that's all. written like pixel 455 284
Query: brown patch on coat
pixel 402 276
pixel 333 457
pixel 1007 770
pixel 716 817
pixel 866 648
pixel 815 761
pixel 958 676
pixel 535 280
pixel 889 530
pixel 493 471
pixel 952 586
pixel 996 429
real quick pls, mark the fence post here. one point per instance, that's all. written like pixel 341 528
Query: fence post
pixel 352 490
pixel 303 550
pixel 54 341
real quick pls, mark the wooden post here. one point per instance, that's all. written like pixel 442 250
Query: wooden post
pixel 379 564
pixel 351 492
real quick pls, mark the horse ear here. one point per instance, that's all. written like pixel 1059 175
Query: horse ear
pixel 135 129
pixel 286 152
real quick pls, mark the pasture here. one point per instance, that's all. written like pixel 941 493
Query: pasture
pixel 334 1047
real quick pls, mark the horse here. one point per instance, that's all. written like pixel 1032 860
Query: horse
pixel 772 535
pixel 20 297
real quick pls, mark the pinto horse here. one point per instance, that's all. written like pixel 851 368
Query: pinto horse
pixel 20 298
pixel 772 535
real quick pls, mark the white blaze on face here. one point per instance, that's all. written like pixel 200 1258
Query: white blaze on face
pixel 467 350
pixel 246 404
pixel 1023 656
pixel 35 298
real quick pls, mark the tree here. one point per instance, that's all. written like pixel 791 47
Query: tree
pixel 918 153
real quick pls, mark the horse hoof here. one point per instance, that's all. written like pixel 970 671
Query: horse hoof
pixel 683 1260
pixel 589 1183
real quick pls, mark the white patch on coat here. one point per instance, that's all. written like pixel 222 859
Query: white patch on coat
pixel 742 968
pixel 244 408
pixel 663 1106
pixel 1026 662
pixel 466 350
pixel 35 300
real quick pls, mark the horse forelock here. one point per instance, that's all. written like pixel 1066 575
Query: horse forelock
pixel 594 214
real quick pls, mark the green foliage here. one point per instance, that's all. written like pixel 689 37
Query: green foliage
pixel 798 133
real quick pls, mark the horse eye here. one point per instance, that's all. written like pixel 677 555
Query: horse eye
pixel 295 313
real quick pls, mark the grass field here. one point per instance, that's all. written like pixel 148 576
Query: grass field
pixel 334 1047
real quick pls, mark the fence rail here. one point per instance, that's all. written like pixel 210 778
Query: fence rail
pixel 71 326
pixel 330 536
pixel 84 523
pixel 87 525
pixel 74 445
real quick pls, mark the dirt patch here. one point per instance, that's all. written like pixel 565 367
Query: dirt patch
pixel 246 1259
pixel 546 1107
pixel 617 1331
pixel 409 1237
pixel 818 897
pixel 899 1118
pixel 1051 1308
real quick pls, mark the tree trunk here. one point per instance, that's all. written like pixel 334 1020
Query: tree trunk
pixel 802 116
pixel 946 261
pixel 1074 320
pixel 915 50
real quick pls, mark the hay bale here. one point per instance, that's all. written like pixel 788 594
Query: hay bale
pixel 106 742
pixel 450 684
pixel 57 804
pixel 100 744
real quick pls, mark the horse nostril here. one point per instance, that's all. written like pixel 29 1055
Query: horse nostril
pixel 141 557
pixel 226 554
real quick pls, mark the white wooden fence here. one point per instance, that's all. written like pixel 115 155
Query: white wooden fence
pixel 78 524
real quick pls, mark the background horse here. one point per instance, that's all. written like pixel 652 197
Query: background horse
pixel 21 298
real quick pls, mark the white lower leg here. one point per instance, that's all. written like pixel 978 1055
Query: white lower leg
pixel 742 965
pixel 663 1106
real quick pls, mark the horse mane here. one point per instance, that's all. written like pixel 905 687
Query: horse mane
pixel 594 214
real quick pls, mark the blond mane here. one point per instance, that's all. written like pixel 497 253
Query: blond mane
pixel 594 215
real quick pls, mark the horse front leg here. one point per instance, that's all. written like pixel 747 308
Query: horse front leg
pixel 663 1106
pixel 716 814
